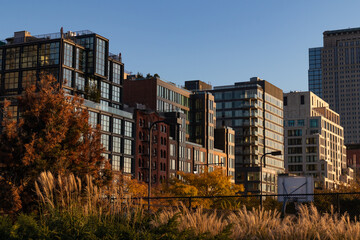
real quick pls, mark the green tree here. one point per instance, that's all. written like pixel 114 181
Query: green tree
pixel 53 134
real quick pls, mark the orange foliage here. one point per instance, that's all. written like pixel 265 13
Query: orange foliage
pixel 54 135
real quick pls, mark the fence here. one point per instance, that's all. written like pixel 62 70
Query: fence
pixel 325 202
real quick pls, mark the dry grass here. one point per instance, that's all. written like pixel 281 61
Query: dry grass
pixel 257 224
pixel 69 194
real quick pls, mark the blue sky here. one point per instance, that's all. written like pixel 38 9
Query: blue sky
pixel 220 42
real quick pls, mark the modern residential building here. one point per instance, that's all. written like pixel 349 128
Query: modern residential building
pixel 314 73
pixel 340 74
pixel 83 65
pixel 314 140
pixel 254 109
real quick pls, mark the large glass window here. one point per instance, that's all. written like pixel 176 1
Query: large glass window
pixel 116 144
pixel 29 56
pixel 128 129
pixel 127 147
pixel 127 165
pixel 28 78
pixel 115 162
pixel 11 81
pixel 89 44
pixel 93 119
pixel 116 78
pixel 100 56
pixel 80 60
pixel 314 123
pixel 12 58
pixel 67 77
pixel 116 125
pixel 49 54
pixel 80 82
pixel 105 90
pixel 105 141
pixel 116 93
pixel 68 55
pixel 105 123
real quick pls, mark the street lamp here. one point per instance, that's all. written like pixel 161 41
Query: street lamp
pixel 169 122
pixel 274 153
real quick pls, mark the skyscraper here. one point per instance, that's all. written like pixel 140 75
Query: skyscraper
pixel 340 74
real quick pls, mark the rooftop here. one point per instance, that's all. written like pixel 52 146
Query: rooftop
pixel 348 30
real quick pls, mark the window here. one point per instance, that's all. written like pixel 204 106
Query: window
pixel 285 101
pixel 11 81
pixel 295 168
pixel 12 58
pixel 105 141
pixel 116 93
pixel 116 145
pixel 105 90
pixel 80 60
pixel 128 129
pixel 294 141
pixel 28 78
pixel 311 141
pixel 115 163
pixel 294 150
pixel 93 119
pixel 68 55
pixel 311 149
pixel 116 77
pixel 100 57
pixel 127 165
pixel 67 77
pixel 294 133
pixel 49 54
pixel 291 123
pixel 314 123
pixel 116 125
pixel 80 82
pixel 127 147
pixel 302 99
pixel 105 123
pixel 301 122
pixel 29 56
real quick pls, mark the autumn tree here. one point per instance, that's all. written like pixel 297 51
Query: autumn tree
pixel 208 184
pixel 52 134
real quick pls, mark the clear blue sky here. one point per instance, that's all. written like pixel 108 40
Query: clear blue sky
pixel 220 42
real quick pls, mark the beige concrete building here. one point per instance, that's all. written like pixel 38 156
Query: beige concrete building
pixel 314 140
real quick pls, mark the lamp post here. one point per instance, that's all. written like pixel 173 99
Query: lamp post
pixel 274 153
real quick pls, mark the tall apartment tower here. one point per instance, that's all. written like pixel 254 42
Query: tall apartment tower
pixel 314 139
pixel 83 65
pixel 254 109
pixel 340 70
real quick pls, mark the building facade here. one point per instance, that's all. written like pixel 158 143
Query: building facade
pixel 83 65
pixel 314 139
pixel 254 109
pixel 340 74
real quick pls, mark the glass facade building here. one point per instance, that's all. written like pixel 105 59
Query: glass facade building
pixel 314 73
pixel 82 64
